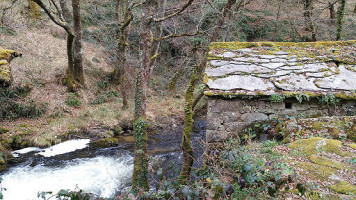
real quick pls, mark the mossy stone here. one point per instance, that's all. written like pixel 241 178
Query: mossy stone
pixel 317 172
pixel 313 145
pixel 353 145
pixel 3 130
pixel 117 130
pixel 103 143
pixel 343 188
pixel 320 160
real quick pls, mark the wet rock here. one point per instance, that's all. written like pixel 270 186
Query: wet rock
pixel 103 143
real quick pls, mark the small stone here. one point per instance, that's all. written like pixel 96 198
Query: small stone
pixel 251 117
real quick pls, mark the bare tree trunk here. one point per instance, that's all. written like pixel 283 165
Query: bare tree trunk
pixel 78 52
pixel 331 6
pixel 308 14
pixel 340 19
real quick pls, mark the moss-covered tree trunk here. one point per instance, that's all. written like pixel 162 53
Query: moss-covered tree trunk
pixel 188 123
pixel 188 108
pixel 69 80
pixel 340 19
pixel 33 11
pixel 308 15
pixel 140 173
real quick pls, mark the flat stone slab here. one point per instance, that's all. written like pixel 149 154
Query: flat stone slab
pixel 239 82
pixel 345 80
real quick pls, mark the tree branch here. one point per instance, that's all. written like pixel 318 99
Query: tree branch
pixel 177 35
pixel 183 8
pixel 57 20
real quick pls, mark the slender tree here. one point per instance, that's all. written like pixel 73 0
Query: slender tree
pixel 308 15
pixel 331 6
pixel 74 74
pixel 340 19
pixel 189 103
pixel 123 17
pixel 148 55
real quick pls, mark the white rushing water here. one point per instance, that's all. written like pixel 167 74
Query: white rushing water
pixel 101 175
pixel 61 148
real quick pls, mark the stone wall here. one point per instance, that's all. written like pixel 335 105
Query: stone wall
pixel 229 116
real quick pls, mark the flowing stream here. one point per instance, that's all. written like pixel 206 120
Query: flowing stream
pixel 74 165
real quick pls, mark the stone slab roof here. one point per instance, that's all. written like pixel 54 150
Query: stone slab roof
pixel 266 68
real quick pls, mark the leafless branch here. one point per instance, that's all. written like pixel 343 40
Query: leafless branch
pixel 177 35
pixel 56 19
pixel 183 8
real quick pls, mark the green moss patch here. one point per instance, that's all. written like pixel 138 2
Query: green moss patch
pixel 320 160
pixel 343 188
pixel 316 171
pixel 3 130
pixel 317 144
pixel 103 143
pixel 327 127
pixel 353 145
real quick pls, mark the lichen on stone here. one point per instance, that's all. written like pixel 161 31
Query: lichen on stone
pixel 5 72
pixel 343 188
pixel 313 145
pixel 353 145
pixel 320 160
pixel 315 171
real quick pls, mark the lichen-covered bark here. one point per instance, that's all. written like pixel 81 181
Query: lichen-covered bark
pixel 340 19
pixel 78 52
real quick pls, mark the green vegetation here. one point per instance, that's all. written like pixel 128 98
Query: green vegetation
pixel 14 105
pixel 73 100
